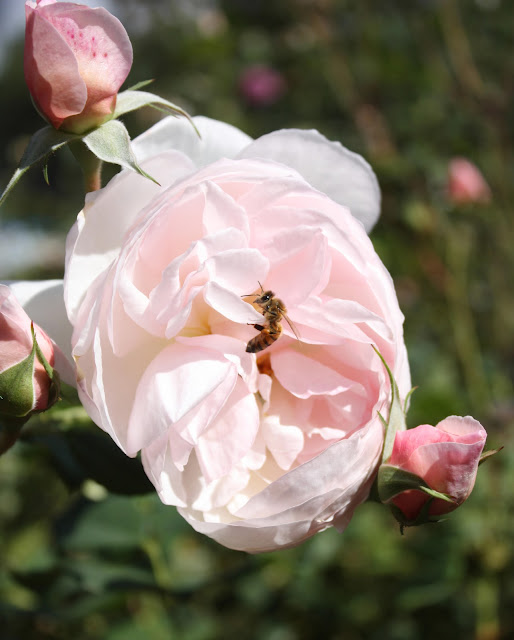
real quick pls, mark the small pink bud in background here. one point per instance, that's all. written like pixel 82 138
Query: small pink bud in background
pixel 445 457
pixel 76 59
pixel 466 184
pixel 261 85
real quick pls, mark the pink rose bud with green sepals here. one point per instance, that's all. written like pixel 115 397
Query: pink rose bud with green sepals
pixel 76 59
pixel 444 459
pixel 28 384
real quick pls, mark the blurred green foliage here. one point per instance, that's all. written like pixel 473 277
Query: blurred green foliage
pixel 409 85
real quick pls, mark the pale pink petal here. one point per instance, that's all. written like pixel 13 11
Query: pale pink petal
pixel 463 429
pixel 304 377
pixel 284 442
pixel 165 393
pixel 217 140
pixel 323 474
pixel 51 70
pixel 99 43
pixel 449 467
pixel 406 442
pixel 328 166
pixel 230 437
pixel 274 519
pixel 112 210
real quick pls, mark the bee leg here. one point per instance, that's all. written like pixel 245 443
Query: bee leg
pixel 259 327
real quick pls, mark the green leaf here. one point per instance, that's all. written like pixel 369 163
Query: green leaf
pixel 109 466
pixel 110 524
pixel 40 146
pixel 111 143
pixel 98 575
pixel 396 419
pixel 83 453
pixel 131 100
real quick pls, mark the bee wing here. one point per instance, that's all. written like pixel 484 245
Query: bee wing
pixel 293 328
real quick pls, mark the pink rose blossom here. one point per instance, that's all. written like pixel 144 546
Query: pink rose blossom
pixel 261 85
pixel 16 346
pixel 76 59
pixel 259 451
pixel 445 456
pixel 466 184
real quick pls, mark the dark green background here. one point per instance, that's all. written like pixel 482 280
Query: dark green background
pixel 408 84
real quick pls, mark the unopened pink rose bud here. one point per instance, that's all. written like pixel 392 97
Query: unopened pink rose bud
pixel 261 85
pixel 27 380
pixel 76 59
pixel 444 457
pixel 466 184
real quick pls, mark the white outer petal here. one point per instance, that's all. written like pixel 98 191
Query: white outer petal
pixel 329 167
pixel 218 140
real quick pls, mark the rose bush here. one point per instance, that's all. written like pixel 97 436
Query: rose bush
pixel 257 451
pixel 445 456
pixel 76 59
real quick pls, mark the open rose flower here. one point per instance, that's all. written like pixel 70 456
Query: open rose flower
pixel 445 457
pixel 259 451
pixel 76 59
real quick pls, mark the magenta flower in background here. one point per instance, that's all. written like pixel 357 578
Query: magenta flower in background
pixel 76 59
pixel 261 85
pixel 466 184
pixel 445 457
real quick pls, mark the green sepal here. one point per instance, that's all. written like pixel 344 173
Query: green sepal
pixel 40 146
pixel 392 481
pixel 131 100
pixel 406 404
pixel 17 388
pixel 53 375
pixel 110 142
pixel 140 85
pixel 423 516
pixel 487 454
pixel 396 419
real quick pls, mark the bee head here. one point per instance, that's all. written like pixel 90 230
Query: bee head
pixel 266 297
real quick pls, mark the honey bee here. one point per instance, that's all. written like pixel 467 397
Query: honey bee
pixel 273 310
